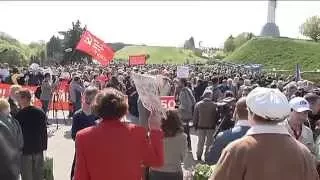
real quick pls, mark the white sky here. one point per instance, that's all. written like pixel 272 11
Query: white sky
pixel 153 23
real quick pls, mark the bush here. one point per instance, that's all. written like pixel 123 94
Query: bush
pixel 203 172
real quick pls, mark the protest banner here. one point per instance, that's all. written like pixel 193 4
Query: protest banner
pixel 59 101
pixel 95 47
pixel 182 71
pixel 168 102
pixel 148 90
pixel 137 60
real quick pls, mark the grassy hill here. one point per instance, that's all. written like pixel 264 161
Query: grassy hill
pixel 159 55
pixel 279 53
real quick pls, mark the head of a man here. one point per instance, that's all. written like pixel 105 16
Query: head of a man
pixel 183 83
pixel 215 80
pixel 299 110
pixel 4 107
pixel 267 106
pixel 314 102
pixel 24 98
pixel 13 91
pixel 207 94
pixel 241 111
pixel 89 94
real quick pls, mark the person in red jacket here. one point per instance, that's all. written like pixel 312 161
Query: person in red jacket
pixel 113 149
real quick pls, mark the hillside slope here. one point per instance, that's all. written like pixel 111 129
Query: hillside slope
pixel 158 54
pixel 279 53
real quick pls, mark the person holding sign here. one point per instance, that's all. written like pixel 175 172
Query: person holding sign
pixel 114 149
pixel 187 102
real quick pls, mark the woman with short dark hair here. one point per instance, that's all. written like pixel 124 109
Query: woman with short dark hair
pixel 175 149
pixel 114 149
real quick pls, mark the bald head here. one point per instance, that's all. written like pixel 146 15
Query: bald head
pixel 241 109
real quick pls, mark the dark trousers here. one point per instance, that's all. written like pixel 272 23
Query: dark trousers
pixel 186 128
pixel 158 175
pixel 72 167
pixel 45 105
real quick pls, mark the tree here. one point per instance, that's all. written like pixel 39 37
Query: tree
pixel 71 38
pixel 54 49
pixel 311 28
pixel 229 45
pixel 242 38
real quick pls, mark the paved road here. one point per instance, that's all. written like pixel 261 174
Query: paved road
pixel 61 148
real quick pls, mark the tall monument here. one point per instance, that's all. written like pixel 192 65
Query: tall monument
pixel 270 28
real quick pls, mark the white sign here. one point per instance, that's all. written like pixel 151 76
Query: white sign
pixel 148 90
pixel 183 72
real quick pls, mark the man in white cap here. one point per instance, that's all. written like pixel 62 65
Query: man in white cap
pixel 295 123
pixel 267 151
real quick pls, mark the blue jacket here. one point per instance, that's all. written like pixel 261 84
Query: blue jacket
pixel 222 140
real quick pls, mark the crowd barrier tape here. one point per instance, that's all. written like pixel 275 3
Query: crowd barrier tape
pixel 59 99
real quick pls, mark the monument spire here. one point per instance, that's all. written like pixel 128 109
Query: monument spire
pixel 271 29
pixel 272 5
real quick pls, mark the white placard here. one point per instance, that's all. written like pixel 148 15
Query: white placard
pixel 183 72
pixel 148 90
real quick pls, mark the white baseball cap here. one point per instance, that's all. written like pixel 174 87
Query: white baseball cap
pixel 299 104
pixel 268 103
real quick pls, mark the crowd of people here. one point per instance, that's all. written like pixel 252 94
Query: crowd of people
pixel 250 124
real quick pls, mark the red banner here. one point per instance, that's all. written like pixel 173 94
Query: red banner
pixel 137 60
pixel 59 100
pixel 95 47
pixel 168 102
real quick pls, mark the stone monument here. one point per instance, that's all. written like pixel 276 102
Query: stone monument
pixel 270 28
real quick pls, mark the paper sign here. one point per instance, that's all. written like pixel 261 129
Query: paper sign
pixel 168 102
pixel 148 91
pixel 183 72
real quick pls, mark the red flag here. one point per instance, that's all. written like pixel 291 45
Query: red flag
pixel 95 47
pixel 137 60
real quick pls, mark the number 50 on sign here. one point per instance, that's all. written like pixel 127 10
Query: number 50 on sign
pixel 168 102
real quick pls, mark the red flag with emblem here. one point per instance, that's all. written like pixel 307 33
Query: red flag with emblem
pixel 95 47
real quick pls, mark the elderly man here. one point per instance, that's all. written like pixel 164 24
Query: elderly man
pixel 313 116
pixel 267 151
pixel 295 123
pixel 224 138
pixel 205 120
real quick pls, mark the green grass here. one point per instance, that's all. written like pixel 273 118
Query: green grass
pixel 279 53
pixel 159 55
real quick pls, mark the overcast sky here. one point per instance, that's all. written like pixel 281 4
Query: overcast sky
pixel 160 23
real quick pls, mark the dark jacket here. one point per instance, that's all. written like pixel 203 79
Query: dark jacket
pixel 33 124
pixel 198 91
pixel 205 114
pixel 11 143
pixel 80 121
pixel 133 103
pixel 222 140
pixel 13 107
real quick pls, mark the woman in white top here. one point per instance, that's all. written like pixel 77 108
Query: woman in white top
pixel 175 149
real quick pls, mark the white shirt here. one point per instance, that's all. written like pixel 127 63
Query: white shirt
pixel 267 129
pixel 242 123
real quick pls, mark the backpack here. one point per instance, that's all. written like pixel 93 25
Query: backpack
pixel 37 93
